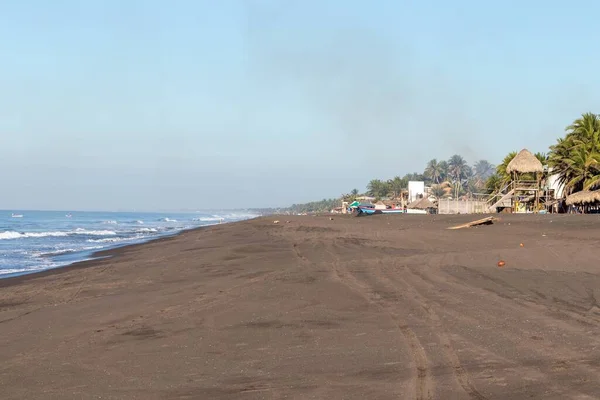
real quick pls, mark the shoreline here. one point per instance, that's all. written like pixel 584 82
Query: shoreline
pixel 49 240
pixel 95 257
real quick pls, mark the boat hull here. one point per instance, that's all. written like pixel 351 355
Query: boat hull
pixel 357 211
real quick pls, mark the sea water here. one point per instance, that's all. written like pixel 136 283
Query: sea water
pixel 32 241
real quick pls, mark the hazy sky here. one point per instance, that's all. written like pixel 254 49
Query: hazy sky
pixel 116 104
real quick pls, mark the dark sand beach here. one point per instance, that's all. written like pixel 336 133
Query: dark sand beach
pixel 383 307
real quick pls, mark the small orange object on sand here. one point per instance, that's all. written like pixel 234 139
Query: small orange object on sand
pixel 501 263
pixel 521 245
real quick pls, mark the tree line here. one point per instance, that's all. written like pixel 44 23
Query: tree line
pixel 574 159
pixel 447 178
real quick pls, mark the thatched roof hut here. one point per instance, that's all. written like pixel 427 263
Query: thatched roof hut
pixel 583 197
pixel 422 204
pixel 524 162
pixel 380 205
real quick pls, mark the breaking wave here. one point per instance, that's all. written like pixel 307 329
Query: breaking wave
pixel 60 252
pixel 146 230
pixel 24 235
pixel 46 240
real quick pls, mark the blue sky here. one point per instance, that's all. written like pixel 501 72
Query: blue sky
pixel 122 104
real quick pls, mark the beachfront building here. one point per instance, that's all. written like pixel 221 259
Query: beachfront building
pixel 554 185
pixel 416 190
pixel 423 205
pixel 584 202
pixel 555 193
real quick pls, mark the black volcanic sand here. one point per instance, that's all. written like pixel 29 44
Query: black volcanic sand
pixel 379 307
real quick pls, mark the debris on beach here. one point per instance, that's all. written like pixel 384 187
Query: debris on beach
pixel 276 222
pixel 522 245
pixel 501 263
pixel 483 221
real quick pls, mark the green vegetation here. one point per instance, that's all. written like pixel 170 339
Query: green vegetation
pixel 575 159
pixel 315 206
pixel 447 178
pixel 454 177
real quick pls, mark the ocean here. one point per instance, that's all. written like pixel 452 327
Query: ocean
pixel 33 241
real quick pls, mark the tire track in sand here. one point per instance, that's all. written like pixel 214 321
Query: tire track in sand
pixel 450 354
pixel 392 280
pixel 423 278
pixel 382 276
pixel 423 379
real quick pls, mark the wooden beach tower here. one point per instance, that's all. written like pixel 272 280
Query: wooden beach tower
pixel 526 173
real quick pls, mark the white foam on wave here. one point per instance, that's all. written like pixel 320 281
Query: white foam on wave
pixel 208 219
pixel 6 271
pixel 114 240
pixel 110 222
pixel 10 235
pixel 226 217
pixel 81 231
pixel 146 230
pixel 168 220
pixel 64 251
pixel 240 216
pixel 23 235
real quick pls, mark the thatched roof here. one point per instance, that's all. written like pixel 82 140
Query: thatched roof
pixel 524 162
pixel 421 204
pixel 584 197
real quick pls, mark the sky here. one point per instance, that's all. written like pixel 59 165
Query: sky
pixel 193 104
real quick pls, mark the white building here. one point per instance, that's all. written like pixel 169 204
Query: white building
pixel 553 184
pixel 416 189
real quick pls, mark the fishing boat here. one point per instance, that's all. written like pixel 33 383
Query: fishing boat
pixel 356 209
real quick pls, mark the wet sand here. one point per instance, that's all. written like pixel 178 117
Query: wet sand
pixel 380 307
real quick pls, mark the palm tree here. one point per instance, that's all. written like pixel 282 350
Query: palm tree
pixel 378 188
pixel 350 196
pixel 459 171
pixel 396 186
pixel 501 168
pixel 575 159
pixel 493 183
pixel 543 157
pixel 584 167
pixel 482 170
pixel 458 168
pixel 443 165
pixel 415 176
pixel 434 171
pixel 437 191
pixel 560 162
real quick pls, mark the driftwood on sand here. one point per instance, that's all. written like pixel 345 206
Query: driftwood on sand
pixel 483 221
